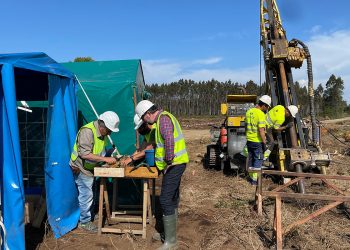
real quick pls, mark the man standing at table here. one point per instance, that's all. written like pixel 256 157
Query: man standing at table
pixel 171 158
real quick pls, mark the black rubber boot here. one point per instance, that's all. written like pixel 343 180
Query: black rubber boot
pixel 170 242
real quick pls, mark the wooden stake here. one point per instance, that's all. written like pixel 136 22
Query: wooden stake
pixel 100 206
pixel 313 215
pixel 278 223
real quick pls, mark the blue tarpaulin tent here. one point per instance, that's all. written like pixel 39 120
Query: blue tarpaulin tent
pixel 32 77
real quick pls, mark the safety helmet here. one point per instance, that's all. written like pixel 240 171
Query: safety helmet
pixel 266 99
pixel 111 120
pixel 138 121
pixel 142 107
pixel 293 110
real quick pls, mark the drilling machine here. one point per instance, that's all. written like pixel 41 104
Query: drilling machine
pixel 229 139
pixel 293 150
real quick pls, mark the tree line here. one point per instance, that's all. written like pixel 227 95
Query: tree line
pixel 191 98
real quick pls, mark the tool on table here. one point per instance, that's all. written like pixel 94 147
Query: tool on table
pixel 142 164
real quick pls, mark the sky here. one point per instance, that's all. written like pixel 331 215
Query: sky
pixel 182 39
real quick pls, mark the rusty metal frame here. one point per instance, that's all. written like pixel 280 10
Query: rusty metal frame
pixel 277 193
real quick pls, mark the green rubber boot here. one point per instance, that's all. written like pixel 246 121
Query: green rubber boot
pixel 160 236
pixel 170 242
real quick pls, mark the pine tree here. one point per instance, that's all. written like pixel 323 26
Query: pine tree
pixel 333 97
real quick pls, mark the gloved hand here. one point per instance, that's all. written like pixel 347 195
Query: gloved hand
pixel 289 125
pixel 264 147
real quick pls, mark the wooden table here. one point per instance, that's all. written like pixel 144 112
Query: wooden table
pixel 124 216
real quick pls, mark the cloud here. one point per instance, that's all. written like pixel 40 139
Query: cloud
pixel 315 29
pixel 208 61
pixel 164 71
pixel 330 55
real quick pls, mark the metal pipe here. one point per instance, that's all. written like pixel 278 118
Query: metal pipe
pixel 310 90
pixel 301 186
pixel 292 132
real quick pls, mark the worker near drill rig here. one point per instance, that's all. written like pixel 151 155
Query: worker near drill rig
pixel 275 118
pixel 88 150
pixel 148 132
pixel 171 158
pixel 256 135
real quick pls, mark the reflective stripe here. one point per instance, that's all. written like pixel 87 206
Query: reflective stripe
pixel 177 154
pixel 268 119
pixel 180 137
pixel 181 152
pixel 98 147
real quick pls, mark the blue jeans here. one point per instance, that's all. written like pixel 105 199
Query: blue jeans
pixel 170 193
pixel 85 195
pixel 255 153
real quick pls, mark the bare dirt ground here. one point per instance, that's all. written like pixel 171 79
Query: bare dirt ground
pixel 216 210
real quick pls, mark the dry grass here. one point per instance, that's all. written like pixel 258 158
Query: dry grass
pixel 216 211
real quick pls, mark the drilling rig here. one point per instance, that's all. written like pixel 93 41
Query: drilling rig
pixel 293 151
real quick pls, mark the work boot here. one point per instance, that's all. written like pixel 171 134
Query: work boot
pixel 170 242
pixel 160 236
pixel 88 226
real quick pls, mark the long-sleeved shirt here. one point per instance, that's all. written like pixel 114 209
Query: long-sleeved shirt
pixel 167 132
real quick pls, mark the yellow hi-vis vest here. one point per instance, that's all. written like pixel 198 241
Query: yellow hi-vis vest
pixel 98 148
pixel 150 137
pixel 254 119
pixel 275 117
pixel 181 155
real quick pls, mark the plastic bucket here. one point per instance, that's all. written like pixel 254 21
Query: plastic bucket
pixel 149 157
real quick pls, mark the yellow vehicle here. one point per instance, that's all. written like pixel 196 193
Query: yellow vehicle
pixel 228 140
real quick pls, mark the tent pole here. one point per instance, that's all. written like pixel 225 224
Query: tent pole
pixel 97 116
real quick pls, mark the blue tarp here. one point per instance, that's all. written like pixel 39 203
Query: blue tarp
pixel 61 193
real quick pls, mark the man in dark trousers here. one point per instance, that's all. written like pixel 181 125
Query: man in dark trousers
pixel 171 158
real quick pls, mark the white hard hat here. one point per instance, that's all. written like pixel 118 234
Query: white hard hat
pixel 265 99
pixel 111 120
pixel 142 107
pixel 293 110
pixel 138 121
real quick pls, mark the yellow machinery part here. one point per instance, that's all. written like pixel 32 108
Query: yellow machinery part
pixel 235 121
pixel 223 108
pixel 281 157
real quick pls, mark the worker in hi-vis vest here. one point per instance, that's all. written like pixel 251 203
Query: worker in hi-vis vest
pixel 171 158
pixel 275 118
pixel 255 134
pixel 148 133
pixel 88 151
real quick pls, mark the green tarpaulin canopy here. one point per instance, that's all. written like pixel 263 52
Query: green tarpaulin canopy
pixel 116 86
pixel 111 85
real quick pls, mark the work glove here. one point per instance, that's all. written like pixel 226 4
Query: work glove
pixel 264 147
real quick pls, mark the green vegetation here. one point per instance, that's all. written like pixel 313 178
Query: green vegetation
pixel 83 59
pixel 190 98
